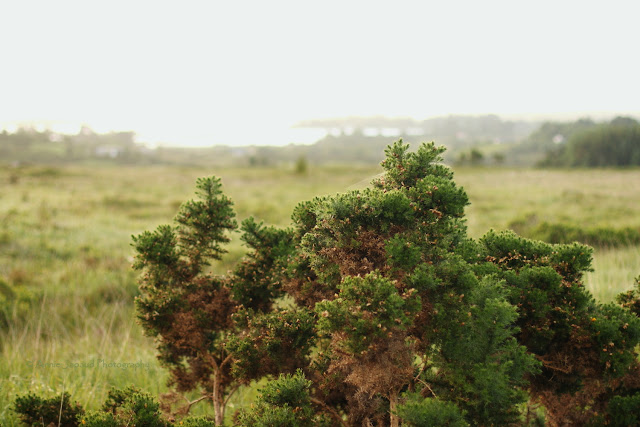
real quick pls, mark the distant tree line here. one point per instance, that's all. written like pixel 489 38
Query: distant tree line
pixel 471 140
pixel 616 143
pixel 28 145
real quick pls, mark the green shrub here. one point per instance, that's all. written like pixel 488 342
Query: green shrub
pixel 420 412
pixel 624 411
pixel 99 419
pixel 389 293
pixel 34 410
pixel 302 166
pixel 588 350
pixel 284 402
pixel 122 408
pixel 216 333
pixel 127 407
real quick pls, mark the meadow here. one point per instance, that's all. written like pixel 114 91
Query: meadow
pixel 67 288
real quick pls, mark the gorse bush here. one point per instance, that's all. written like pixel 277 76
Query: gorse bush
pixel 127 407
pixel 420 412
pixel 58 410
pixel 123 407
pixel 285 402
pixel 397 312
pixel 217 333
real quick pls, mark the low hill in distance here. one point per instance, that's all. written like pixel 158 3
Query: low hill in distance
pixel 475 140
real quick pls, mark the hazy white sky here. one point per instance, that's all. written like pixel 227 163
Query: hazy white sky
pixel 239 72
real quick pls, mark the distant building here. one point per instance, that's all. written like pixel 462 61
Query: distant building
pixel 108 151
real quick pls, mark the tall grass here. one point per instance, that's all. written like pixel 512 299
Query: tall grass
pixel 614 272
pixel 65 238
pixel 589 198
pixel 100 348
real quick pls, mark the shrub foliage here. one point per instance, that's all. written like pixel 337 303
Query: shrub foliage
pixel 122 408
pixel 397 312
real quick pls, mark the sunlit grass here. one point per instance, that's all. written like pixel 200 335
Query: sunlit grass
pixel 614 272
pixel 65 236
pixel 582 197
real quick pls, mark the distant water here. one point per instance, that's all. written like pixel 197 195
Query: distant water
pixel 179 136
pixel 241 137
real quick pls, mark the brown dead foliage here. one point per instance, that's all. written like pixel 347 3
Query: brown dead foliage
pixel 215 303
pixel 306 290
pixel 383 369
pixel 359 259
pixel 174 404
pixel 208 308
pixel 334 392
pixel 185 336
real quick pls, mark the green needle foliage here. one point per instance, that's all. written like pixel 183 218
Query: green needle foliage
pixel 270 343
pixel 213 332
pixel 123 408
pixel 398 305
pixel 34 410
pixel 396 313
pixel 127 407
pixel 420 412
pixel 587 350
pixel 284 402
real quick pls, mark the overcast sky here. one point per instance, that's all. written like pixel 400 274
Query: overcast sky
pixel 239 72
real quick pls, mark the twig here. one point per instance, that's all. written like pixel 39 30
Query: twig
pixel 427 386
pixel 549 364
pixel 235 388
pixel 61 401
pixel 191 403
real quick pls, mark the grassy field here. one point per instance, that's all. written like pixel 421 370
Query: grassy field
pixel 65 254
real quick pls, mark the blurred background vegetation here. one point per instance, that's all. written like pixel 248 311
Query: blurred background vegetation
pixel 471 140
